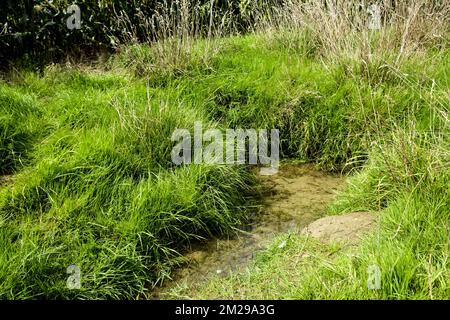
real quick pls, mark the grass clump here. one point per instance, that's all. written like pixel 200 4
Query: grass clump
pixel 101 193
pixel 16 133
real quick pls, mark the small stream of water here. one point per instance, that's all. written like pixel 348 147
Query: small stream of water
pixel 296 196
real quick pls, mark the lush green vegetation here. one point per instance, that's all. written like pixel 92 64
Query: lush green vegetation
pixel 409 245
pixel 35 31
pixel 87 150
pixel 98 189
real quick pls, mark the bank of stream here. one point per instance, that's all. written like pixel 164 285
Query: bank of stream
pixel 293 198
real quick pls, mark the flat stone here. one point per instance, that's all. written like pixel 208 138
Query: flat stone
pixel 346 229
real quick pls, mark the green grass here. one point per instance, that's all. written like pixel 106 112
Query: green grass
pixel 410 244
pixel 94 186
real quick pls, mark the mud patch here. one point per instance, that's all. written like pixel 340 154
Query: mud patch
pixel 297 196
pixel 347 229
pixel 293 198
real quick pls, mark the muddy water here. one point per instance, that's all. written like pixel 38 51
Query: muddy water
pixel 294 197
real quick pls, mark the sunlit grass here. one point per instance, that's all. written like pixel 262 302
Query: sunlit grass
pixel 94 184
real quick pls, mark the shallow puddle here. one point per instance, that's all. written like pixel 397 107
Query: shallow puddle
pixel 294 197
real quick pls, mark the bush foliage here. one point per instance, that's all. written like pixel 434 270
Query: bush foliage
pixel 38 29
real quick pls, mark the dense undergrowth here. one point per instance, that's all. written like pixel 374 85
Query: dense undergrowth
pixel 99 191
pixel 88 149
pixel 407 184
